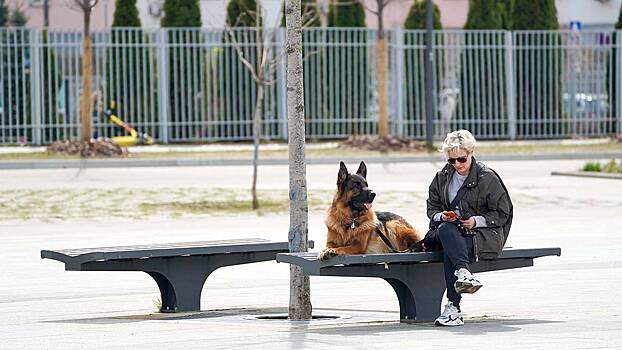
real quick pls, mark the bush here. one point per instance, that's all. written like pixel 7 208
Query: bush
pixel 484 14
pixel 414 63
pixel 238 94
pixel 534 14
pixel 611 78
pixel 125 14
pixel 54 88
pixel 539 83
pixel 416 18
pixel 484 65
pixel 127 83
pixel 505 9
pixel 15 104
pixel 346 13
pixel 183 76
pixel 4 13
pixel 611 166
pixel 592 166
pixel 348 81
pixel 181 13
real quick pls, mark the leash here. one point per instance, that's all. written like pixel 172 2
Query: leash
pixel 386 241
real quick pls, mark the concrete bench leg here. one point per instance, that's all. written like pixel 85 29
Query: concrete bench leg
pixel 419 290
pixel 181 282
pixel 180 279
pixel 419 287
pixel 181 293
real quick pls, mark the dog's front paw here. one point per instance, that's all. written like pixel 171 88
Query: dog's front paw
pixel 327 254
pixel 418 247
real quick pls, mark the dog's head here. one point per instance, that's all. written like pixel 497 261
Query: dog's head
pixel 352 188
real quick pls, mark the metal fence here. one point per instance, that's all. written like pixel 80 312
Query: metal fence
pixel 185 85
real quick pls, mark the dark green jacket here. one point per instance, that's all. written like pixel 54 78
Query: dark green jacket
pixel 486 196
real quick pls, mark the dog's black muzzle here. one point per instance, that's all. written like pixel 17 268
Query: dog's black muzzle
pixel 363 200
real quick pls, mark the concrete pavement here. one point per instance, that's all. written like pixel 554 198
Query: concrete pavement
pixel 567 302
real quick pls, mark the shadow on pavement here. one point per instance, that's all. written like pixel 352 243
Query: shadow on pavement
pixel 206 314
pixel 471 327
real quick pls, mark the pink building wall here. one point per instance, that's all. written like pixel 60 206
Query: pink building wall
pixel 453 13
pixel 61 16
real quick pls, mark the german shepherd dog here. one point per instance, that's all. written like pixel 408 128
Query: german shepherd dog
pixel 353 226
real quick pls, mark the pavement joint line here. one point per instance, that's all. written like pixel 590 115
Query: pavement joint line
pixel 599 175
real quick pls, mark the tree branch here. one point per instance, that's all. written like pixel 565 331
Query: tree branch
pixel 240 54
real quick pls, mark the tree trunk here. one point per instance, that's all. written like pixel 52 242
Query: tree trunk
pixel 87 82
pixel 256 137
pixel 381 68
pixel 258 105
pixel 299 291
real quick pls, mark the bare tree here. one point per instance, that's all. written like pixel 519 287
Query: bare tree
pixel 86 6
pixel 262 75
pixel 381 66
pixel 299 289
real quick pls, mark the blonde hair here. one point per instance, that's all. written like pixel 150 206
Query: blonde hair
pixel 459 139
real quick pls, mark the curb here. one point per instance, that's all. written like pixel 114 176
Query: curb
pixel 181 162
pixel 592 174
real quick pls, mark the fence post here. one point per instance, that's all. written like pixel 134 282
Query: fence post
pixel 398 80
pixel 509 84
pixel 163 81
pixel 35 88
pixel 281 84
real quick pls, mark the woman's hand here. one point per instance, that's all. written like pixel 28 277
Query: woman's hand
pixel 468 223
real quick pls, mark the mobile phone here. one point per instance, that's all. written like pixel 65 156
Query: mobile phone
pixel 451 214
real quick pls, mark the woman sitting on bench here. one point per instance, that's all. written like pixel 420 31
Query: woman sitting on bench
pixel 470 215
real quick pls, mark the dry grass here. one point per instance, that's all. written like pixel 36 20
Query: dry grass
pixel 64 204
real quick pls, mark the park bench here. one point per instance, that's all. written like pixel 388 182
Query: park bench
pixel 179 269
pixel 417 278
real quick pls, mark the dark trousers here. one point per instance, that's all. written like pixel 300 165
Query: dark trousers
pixel 457 253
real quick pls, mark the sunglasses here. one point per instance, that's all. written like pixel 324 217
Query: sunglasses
pixel 459 159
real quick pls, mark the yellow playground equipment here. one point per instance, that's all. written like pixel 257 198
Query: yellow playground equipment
pixel 134 138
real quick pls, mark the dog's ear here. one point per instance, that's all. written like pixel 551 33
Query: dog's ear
pixel 343 173
pixel 362 170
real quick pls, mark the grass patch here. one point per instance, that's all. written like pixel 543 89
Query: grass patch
pixel 137 203
pixel 57 204
pixel 612 167
pixel 592 166
pixel 212 207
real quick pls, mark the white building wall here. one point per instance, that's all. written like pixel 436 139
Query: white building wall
pixel 588 12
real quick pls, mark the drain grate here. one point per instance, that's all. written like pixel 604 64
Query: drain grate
pixel 285 317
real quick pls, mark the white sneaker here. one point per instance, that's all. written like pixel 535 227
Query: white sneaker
pixel 466 283
pixel 451 316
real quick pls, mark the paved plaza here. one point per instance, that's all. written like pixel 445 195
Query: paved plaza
pixel 567 302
